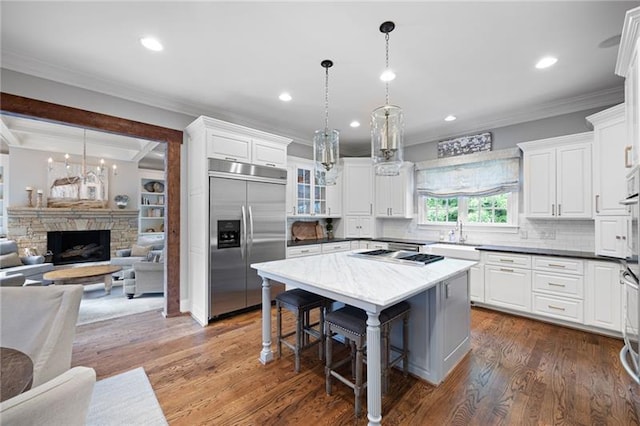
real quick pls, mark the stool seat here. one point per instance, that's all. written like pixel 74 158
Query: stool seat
pixel 351 322
pixel 301 303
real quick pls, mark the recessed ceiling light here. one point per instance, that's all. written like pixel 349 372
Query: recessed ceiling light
pixel 387 75
pixel 546 62
pixel 354 123
pixel 285 97
pixel 151 44
pixel 450 117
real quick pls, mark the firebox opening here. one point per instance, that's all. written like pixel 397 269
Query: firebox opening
pixel 79 246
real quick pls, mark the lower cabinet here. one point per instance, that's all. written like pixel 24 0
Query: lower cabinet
pixel 308 250
pixel 611 236
pixel 508 287
pixel 476 283
pixel 358 226
pixel 604 296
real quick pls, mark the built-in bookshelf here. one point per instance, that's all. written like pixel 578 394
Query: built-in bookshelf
pixel 4 192
pixel 152 202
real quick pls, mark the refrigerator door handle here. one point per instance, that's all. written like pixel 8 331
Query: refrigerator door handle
pixel 250 234
pixel 243 233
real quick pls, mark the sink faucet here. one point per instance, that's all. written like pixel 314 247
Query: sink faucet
pixel 461 237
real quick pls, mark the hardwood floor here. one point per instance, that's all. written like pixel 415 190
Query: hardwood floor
pixel 519 372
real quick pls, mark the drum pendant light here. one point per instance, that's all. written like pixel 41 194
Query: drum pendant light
pixel 326 145
pixel 387 124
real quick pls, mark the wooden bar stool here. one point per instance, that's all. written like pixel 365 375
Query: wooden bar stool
pixel 351 323
pixel 301 303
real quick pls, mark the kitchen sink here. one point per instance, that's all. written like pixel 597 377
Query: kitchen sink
pixel 458 251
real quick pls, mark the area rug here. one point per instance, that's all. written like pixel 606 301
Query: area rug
pixel 125 399
pixel 97 306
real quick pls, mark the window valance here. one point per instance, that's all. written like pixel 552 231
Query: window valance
pixel 484 174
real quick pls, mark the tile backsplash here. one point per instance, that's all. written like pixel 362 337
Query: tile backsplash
pixel 576 235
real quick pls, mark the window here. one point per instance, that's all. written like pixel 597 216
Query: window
pixel 500 209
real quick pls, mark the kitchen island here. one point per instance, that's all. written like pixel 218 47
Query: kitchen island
pixel 438 294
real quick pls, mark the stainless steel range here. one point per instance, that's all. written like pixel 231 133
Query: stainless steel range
pixel 399 256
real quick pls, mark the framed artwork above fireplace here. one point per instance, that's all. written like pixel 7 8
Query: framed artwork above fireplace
pixel 70 186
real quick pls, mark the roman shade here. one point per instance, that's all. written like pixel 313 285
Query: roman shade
pixel 471 175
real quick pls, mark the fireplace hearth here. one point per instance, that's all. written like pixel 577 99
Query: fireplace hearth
pixel 79 246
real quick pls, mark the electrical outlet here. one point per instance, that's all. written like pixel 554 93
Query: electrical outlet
pixel 547 235
pixel 524 234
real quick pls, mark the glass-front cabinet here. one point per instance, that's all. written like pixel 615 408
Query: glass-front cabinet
pixel 312 197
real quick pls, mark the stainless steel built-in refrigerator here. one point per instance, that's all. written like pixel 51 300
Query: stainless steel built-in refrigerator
pixel 247 224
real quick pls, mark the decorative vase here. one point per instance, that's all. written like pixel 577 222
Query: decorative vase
pixel 121 201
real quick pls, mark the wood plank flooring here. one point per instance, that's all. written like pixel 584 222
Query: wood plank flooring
pixel 519 372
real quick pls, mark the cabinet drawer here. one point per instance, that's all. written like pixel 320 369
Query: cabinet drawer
pixel 378 245
pixel 563 285
pixel 268 154
pixel 508 259
pixel 557 307
pixel 228 147
pixel 508 287
pixel 304 251
pixel 336 247
pixel 558 264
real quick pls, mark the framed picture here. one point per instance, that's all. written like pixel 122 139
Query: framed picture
pixel 68 186
pixel 464 145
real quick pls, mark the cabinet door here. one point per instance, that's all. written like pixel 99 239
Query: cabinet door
pixel 366 227
pixel 540 183
pixel 304 188
pixel 632 107
pixel 292 201
pixel 268 153
pixel 609 172
pixel 476 283
pixel 611 238
pixel 319 196
pixel 457 316
pixel 603 298
pixel 334 198
pixel 383 189
pixel 358 188
pixel 352 226
pixel 573 195
pixel 228 147
pixel 508 287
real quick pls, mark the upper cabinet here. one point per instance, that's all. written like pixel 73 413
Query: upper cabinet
pixel 611 157
pixel 627 66
pixel 394 194
pixel 557 177
pixel 232 142
pixel 358 186
pixel 308 196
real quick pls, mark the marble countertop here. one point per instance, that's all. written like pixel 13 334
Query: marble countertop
pixel 365 283
pixel 548 252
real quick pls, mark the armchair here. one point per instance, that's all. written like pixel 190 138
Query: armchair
pixel 32 267
pixel 144 277
pixel 145 250
pixel 45 330
pixel 63 400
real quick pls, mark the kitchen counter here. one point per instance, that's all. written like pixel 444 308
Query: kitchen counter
pixel 549 252
pixel 297 243
pixel 373 286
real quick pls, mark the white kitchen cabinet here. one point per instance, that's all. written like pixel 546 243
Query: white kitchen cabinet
pixel 309 197
pixel 456 318
pixel 476 283
pixel 307 250
pixel 358 187
pixel 611 235
pixel 508 287
pixel 627 67
pixel 610 159
pixel 604 296
pixel 394 194
pixel 358 226
pixel 336 247
pixel 557 177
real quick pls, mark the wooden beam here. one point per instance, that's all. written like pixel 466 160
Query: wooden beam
pixel 41 110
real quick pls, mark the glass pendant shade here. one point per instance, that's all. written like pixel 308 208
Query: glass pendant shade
pixel 326 152
pixel 387 135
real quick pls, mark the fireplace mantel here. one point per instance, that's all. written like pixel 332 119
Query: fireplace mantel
pixel 28 226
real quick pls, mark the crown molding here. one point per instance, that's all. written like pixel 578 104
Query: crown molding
pixel 613 113
pixel 628 41
pixel 586 137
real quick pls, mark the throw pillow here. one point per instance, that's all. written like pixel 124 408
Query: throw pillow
pixel 9 260
pixel 141 251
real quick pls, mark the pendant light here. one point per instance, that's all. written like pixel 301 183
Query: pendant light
pixel 326 145
pixel 387 124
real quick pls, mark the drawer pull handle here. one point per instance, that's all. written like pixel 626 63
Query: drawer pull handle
pixel 555 265
pixel 271 164
pixel 507 260
pixel 627 150
pixel 557 308
pixel 506 270
pixel 557 285
pixel 230 158
pixel 304 251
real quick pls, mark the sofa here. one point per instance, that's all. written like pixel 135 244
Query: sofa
pixel 144 277
pixel 11 263
pixel 145 250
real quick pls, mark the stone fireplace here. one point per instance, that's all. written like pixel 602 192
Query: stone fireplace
pixel 29 226
pixel 79 246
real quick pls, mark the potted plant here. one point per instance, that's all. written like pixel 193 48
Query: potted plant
pixel 329 227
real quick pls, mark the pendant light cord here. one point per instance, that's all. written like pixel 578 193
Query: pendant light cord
pixel 326 101
pixel 386 38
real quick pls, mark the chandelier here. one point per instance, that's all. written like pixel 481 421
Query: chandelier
pixel 326 145
pixel 387 124
pixel 85 173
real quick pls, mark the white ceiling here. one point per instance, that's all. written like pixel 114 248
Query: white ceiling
pixel 231 60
